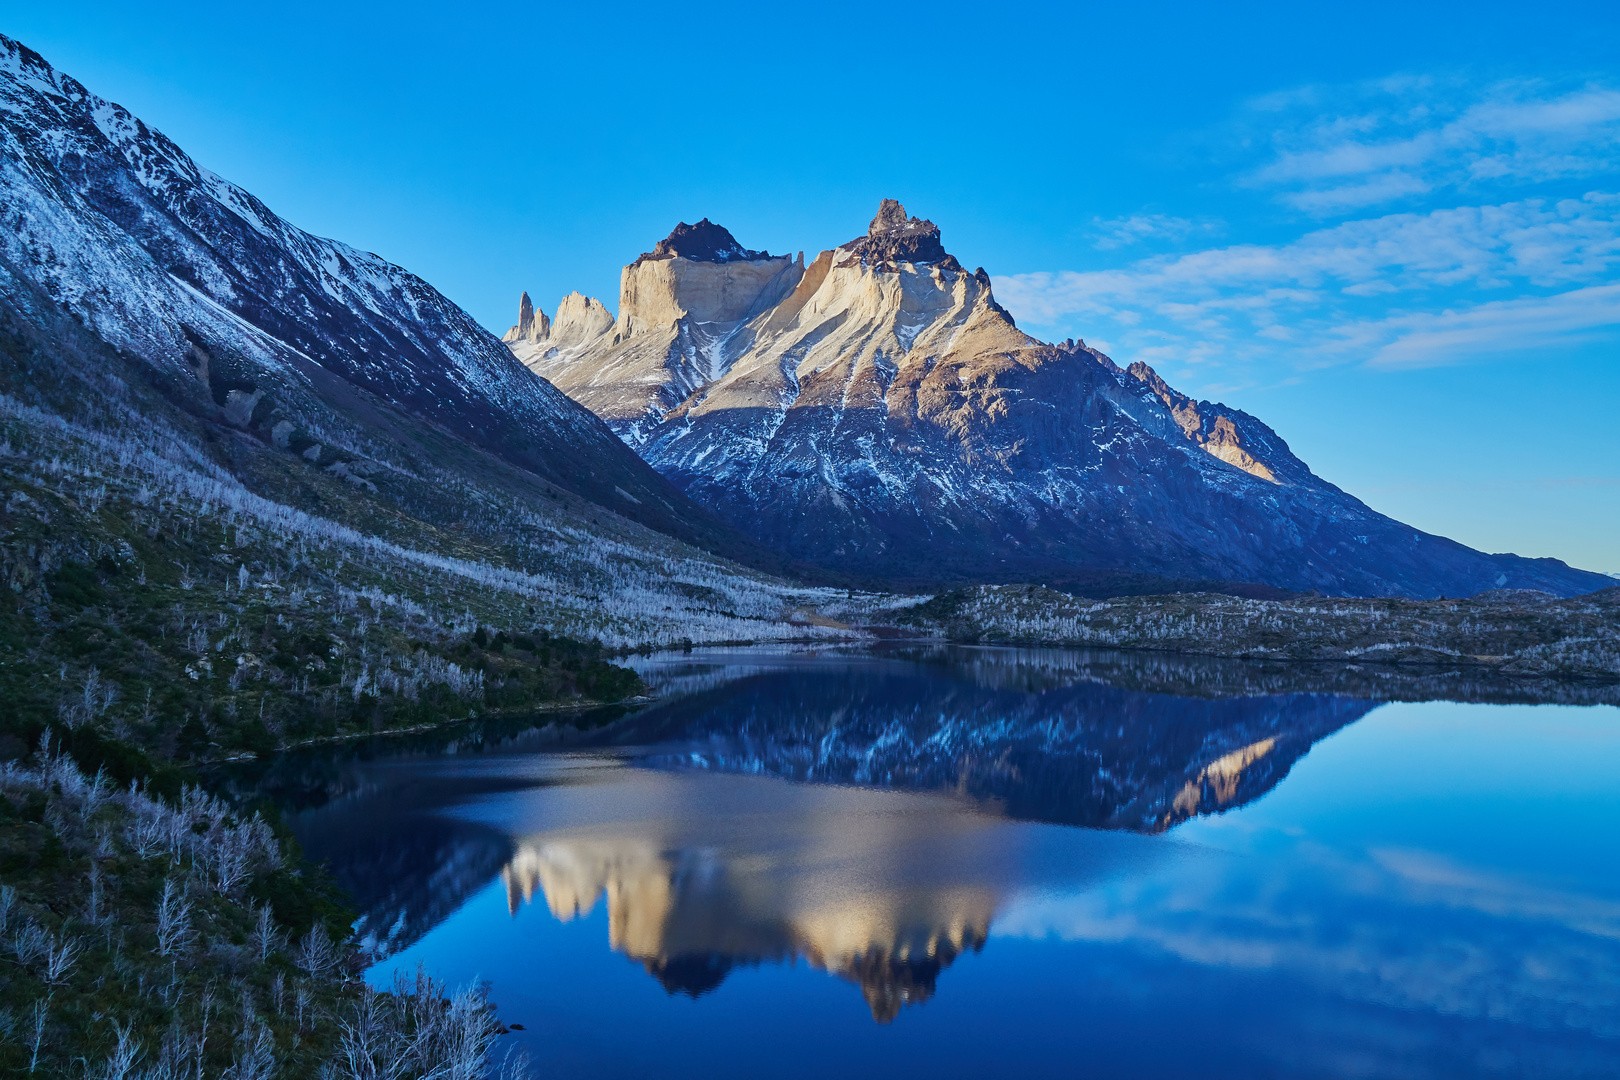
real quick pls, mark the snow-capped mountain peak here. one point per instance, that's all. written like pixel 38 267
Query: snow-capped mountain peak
pixel 876 410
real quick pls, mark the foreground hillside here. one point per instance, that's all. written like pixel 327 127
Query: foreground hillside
pixel 156 939
pixel 875 410
pixel 158 595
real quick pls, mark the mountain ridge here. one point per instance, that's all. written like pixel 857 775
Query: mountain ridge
pixel 876 410
pixel 248 318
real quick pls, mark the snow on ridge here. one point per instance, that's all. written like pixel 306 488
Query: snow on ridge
pixel 160 257
pixel 49 117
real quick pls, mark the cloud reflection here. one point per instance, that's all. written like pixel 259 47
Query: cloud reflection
pixel 1407 929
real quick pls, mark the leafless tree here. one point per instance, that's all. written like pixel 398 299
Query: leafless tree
pixel 60 956
pixel 146 834
pixel 370 1044
pixel 30 944
pixel 267 938
pixel 316 954
pixel 255 1052
pixel 92 904
pixel 36 1036
pixel 91 694
pixel 174 930
pixel 516 1065
pixel 126 1054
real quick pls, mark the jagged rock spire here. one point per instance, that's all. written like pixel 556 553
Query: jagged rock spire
pixel 532 325
pixel 892 216
pixel 894 238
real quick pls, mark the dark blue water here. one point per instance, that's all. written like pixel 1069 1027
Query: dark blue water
pixel 981 863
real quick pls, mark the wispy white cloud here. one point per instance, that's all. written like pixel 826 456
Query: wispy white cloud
pixel 1396 290
pixel 1340 149
pixel 1427 339
pixel 1111 233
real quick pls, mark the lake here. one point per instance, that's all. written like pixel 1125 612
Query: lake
pixel 956 862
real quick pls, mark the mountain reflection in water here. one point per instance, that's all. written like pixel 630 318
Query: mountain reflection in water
pixel 1267 880
pixel 859 883
pixel 1024 738
pixel 702 874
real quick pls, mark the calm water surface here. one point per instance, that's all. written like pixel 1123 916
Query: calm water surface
pixel 979 863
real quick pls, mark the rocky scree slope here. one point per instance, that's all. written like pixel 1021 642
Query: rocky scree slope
pixel 269 330
pixel 877 411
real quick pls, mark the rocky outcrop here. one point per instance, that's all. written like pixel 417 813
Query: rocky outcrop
pixel 894 238
pixel 1217 429
pixel 703 242
pixel 532 325
pixel 878 412
pixel 581 321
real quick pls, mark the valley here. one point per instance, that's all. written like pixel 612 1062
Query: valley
pixel 273 508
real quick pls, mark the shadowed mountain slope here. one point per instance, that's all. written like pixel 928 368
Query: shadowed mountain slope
pixel 297 341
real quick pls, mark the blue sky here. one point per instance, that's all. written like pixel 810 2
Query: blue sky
pixel 1392 231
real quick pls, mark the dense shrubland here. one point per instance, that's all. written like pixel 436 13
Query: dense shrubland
pixel 1513 632
pixel 157 600
pixel 144 938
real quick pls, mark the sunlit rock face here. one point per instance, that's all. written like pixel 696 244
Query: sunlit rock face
pixel 676 302
pixel 531 326
pixel 691 911
pixel 878 412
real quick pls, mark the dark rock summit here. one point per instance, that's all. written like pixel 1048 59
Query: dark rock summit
pixel 894 238
pixel 704 242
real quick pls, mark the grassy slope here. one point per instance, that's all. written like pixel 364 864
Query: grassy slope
pixel 192 632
